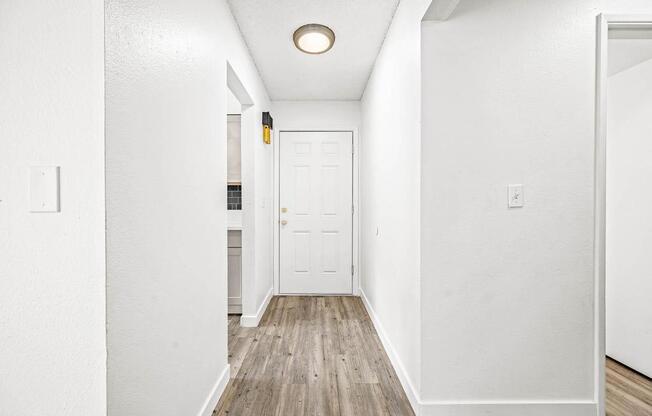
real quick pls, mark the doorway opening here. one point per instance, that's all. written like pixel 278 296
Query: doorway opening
pixel 624 215
pixel 234 203
pixel 238 117
pixel 316 212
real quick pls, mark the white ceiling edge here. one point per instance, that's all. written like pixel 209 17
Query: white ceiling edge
pixel 251 56
pixel 380 49
pixel 440 10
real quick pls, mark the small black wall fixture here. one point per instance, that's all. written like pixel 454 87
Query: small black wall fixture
pixel 268 126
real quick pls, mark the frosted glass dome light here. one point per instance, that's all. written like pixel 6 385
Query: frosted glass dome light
pixel 314 38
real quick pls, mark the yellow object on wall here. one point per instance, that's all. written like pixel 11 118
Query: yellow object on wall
pixel 267 134
pixel 268 126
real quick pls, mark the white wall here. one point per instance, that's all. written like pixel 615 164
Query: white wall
pixel 166 200
pixel 390 193
pixel 52 348
pixel 260 202
pixel 508 97
pixel 314 115
pixel 508 286
pixel 629 222
pixel 233 106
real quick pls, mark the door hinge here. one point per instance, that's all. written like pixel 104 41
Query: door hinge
pixel 352 270
pixel 352 209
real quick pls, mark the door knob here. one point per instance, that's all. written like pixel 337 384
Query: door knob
pixel 284 222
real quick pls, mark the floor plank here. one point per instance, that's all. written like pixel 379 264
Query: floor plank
pixel 628 392
pixel 317 356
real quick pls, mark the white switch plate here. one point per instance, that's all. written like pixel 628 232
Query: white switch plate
pixel 515 193
pixel 44 189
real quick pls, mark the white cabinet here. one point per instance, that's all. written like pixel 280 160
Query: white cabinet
pixel 235 271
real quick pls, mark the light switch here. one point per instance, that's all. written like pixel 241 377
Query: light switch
pixel 515 196
pixel 44 189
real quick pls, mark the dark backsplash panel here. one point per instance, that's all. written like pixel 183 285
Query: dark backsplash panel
pixel 234 197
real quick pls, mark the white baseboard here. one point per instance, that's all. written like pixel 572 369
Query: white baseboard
pixel 410 391
pixel 507 408
pixel 216 392
pixel 579 408
pixel 252 321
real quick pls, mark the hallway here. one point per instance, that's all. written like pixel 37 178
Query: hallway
pixel 325 208
pixel 311 355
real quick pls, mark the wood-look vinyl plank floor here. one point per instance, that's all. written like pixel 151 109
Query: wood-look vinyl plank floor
pixel 317 356
pixel 628 392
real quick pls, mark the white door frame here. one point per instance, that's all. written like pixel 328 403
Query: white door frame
pixel 356 203
pixel 248 136
pixel 605 22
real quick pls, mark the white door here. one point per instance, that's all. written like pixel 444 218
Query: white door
pixel 316 212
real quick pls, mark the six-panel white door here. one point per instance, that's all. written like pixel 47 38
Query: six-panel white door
pixel 316 212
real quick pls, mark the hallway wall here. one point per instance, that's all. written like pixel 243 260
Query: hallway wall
pixel 315 115
pixel 166 74
pixel 510 291
pixel 503 283
pixel 52 297
pixel 390 193
pixel 629 225
pixel 257 194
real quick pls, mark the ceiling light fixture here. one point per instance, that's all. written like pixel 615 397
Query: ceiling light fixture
pixel 314 38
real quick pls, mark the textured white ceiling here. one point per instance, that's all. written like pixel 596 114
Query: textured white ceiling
pixel 341 73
